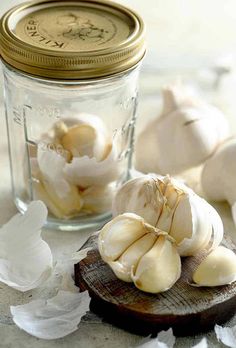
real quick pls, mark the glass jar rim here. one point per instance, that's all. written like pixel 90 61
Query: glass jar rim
pixel 107 39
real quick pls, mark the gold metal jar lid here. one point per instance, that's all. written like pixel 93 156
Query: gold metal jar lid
pixel 71 39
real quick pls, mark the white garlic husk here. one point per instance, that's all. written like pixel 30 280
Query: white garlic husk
pixel 218 268
pixel 136 252
pixel 85 171
pixel 187 132
pixel 62 198
pixel 171 206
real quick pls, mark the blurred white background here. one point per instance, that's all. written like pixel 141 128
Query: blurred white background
pixel 188 38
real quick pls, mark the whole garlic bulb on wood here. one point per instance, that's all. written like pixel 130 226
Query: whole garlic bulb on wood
pixel 137 252
pixel 187 132
pixel 218 268
pixel 170 206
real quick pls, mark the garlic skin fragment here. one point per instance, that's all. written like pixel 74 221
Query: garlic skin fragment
pixel 187 132
pixel 159 269
pixel 62 198
pixel 85 171
pixel 219 174
pixel 218 268
pixel 54 318
pixel 25 259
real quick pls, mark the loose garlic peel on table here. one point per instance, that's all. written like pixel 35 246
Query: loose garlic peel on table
pixel 77 180
pixel 137 252
pixel 171 206
pixel 186 133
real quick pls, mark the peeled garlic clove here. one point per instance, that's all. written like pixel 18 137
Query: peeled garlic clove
pixel 85 171
pixel 98 199
pixel 61 197
pixel 130 258
pixel 159 269
pixel 218 268
pixel 219 174
pixel 184 136
pixel 117 235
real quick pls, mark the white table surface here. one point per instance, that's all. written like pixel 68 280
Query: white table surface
pixel 176 29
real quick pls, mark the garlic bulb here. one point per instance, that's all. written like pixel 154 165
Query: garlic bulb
pixel 218 268
pixel 137 252
pixel 170 206
pixel 219 174
pixel 187 132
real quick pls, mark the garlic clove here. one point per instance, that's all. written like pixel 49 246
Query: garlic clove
pixel 83 140
pixel 219 173
pixel 62 198
pixel 218 268
pixel 192 225
pixel 85 171
pixel 129 259
pixel 172 194
pixel 117 235
pixel 159 269
pixel 98 199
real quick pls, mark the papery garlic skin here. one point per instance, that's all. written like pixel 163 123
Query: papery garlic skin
pixel 145 196
pixel 184 136
pixel 62 198
pixel 159 269
pixel 218 268
pixel 170 206
pixel 25 259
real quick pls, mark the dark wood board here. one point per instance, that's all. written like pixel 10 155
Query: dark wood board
pixel 188 310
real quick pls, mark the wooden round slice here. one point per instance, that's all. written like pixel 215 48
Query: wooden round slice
pixel 187 309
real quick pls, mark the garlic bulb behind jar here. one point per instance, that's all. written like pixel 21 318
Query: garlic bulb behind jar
pixel 187 132
pixel 170 206
pixel 219 175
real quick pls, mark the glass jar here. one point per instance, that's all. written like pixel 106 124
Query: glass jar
pixel 70 76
